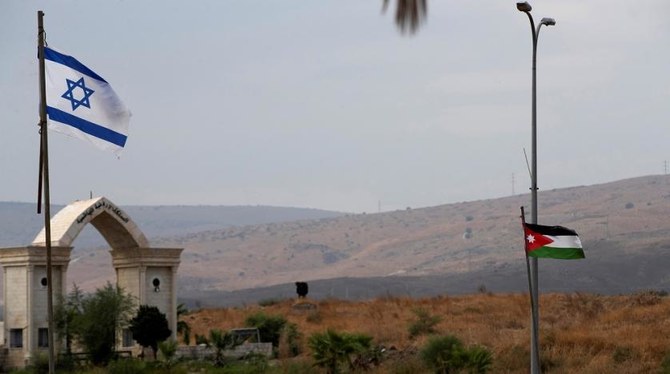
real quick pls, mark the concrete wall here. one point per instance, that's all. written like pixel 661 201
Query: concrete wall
pixel 197 352
pixel 129 279
pixel 161 297
pixel 16 284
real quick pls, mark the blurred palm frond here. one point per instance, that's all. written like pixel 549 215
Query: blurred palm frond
pixel 409 14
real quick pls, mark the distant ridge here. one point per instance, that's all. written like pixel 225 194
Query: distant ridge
pixel 453 248
pixel 616 276
pixel 20 223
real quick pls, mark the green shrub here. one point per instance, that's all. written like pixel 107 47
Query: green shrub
pixel 126 366
pixel 39 364
pixel 168 350
pixel 446 354
pixel 622 354
pixel 289 342
pixel 424 323
pixel 480 360
pixel 269 327
pixel 665 364
pixel 98 317
pixel 331 349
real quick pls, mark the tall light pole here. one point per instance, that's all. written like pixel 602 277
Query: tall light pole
pixel 535 351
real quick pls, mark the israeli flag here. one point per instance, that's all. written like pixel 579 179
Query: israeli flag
pixel 80 103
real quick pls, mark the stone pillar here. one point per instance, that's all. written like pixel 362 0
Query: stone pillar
pixel 28 346
pixel 25 309
pixel 175 318
pixel 138 268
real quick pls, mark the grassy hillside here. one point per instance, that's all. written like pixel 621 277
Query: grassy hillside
pixel 624 227
pixel 579 333
pixel 453 248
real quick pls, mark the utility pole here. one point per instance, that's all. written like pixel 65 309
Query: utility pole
pixel 533 268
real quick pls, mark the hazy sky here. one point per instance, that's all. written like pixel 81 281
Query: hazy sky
pixel 324 104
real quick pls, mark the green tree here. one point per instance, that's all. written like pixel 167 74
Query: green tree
pixel 66 311
pixel 330 349
pixel 99 316
pixel 149 327
pixel 182 327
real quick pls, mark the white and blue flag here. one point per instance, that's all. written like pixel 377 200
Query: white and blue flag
pixel 80 103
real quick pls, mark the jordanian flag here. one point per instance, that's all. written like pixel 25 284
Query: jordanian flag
pixel 552 242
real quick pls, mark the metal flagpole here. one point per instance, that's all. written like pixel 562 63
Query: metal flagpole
pixel 535 350
pixel 533 296
pixel 44 173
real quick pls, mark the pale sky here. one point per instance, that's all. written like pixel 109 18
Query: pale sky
pixel 323 104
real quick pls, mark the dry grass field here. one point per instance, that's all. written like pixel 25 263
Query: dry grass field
pixel 579 333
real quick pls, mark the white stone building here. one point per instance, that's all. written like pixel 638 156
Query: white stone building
pixel 149 274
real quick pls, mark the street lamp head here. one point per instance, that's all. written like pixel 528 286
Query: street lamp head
pixel 524 6
pixel 548 22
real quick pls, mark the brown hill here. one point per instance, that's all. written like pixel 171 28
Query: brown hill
pixel 618 222
pixel 453 248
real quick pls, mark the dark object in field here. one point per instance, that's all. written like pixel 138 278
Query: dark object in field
pixel 302 289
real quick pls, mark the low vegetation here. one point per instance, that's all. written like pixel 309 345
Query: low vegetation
pixel 483 333
pixel 93 320
pixel 579 332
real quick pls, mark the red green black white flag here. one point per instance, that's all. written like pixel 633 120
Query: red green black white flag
pixel 552 242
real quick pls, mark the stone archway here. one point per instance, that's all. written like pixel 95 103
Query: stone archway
pixel 113 224
pixel 149 274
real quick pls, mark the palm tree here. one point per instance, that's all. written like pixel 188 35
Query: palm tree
pixel 221 340
pixel 409 14
pixel 183 327
pixel 331 348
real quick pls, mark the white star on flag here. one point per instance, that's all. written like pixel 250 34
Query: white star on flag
pixel 531 239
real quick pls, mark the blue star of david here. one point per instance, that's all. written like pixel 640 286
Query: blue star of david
pixel 71 85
